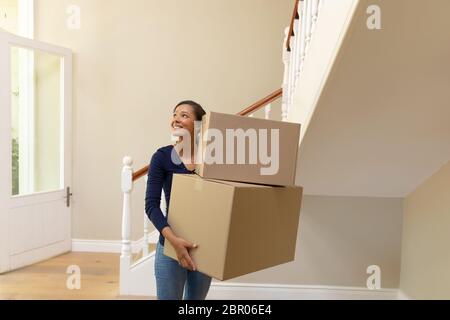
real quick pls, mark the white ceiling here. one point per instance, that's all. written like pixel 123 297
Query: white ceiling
pixel 382 123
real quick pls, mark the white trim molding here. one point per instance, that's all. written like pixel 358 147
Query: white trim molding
pixel 402 295
pixel 250 291
pixel 110 246
pixel 254 291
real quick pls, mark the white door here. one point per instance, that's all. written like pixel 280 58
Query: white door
pixel 35 151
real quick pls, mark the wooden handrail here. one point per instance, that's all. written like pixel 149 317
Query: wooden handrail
pixel 291 33
pixel 252 109
pixel 261 103
pixel 140 173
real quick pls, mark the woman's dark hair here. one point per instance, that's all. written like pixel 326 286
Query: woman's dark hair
pixel 198 109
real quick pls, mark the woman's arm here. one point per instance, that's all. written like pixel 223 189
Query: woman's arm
pixel 155 182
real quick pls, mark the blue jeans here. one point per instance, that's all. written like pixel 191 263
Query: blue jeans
pixel 172 279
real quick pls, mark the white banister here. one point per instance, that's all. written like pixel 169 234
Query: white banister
pixel 286 62
pixel 301 27
pixel 295 59
pixel 127 187
pixel 302 15
pixel 146 237
pixel 300 50
pixel 146 232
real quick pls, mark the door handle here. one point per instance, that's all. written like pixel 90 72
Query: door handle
pixel 68 196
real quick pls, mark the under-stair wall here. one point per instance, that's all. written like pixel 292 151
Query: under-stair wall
pixel 426 225
pixel 338 239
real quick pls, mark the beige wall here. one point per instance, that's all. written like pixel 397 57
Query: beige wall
pixel 339 237
pixel 426 239
pixel 134 60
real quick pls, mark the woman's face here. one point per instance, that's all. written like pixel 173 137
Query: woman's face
pixel 183 119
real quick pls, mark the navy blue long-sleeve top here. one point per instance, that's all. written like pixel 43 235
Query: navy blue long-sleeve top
pixel 160 176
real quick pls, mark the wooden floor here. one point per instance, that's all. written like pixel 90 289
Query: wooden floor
pixel 47 280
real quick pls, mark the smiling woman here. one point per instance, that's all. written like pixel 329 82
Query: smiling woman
pixel 174 278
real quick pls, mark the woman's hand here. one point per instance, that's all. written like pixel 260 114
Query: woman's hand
pixel 182 248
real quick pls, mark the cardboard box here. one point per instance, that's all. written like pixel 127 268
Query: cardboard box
pixel 244 149
pixel 239 228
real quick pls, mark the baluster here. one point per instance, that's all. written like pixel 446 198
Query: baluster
pixel 308 22
pixel 127 187
pixel 295 61
pixel 315 15
pixel 163 203
pixel 298 48
pixel 303 34
pixel 319 7
pixel 267 110
pixel 146 237
pixel 286 62
pixel 297 27
pixel 146 233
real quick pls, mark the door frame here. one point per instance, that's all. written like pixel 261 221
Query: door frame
pixel 8 40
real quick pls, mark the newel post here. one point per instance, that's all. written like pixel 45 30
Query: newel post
pixel 127 187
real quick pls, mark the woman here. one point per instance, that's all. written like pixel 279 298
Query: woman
pixel 172 277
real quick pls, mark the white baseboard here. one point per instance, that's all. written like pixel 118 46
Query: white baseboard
pixel 403 296
pixel 110 246
pixel 253 291
pixel 250 291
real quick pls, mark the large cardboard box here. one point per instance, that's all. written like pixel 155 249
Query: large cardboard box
pixel 244 149
pixel 239 228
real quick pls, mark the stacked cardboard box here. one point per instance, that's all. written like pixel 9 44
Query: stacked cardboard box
pixel 243 208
